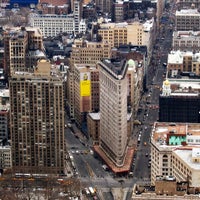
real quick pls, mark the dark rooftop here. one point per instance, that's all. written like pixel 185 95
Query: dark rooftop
pixel 117 68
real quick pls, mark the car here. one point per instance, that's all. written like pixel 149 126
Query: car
pixel 69 125
pixel 77 152
pixel 146 154
pixel 145 144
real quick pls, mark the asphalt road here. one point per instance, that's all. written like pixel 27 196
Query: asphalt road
pixel 89 169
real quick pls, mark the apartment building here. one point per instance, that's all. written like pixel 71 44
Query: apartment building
pixel 187 20
pixel 84 53
pixel 186 40
pixel 89 52
pixel 183 61
pixel 23 47
pixel 179 101
pixel 134 33
pixel 174 152
pixel 37 120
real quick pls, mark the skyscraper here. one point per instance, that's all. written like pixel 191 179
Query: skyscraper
pixel 113 109
pixel 104 6
pixel 37 120
pixel 23 47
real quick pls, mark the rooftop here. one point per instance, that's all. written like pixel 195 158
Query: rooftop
pixel 117 68
pixel 185 12
pixel 177 57
pixel 173 135
pixel 184 87
pixel 186 156
pixel 184 34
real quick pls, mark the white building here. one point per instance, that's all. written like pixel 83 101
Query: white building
pixel 51 24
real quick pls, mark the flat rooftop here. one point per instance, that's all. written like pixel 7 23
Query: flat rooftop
pixel 173 134
pixel 116 68
pixel 186 156
pixel 184 85
pixel 184 12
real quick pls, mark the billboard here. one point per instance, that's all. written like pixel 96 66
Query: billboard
pixel 85 84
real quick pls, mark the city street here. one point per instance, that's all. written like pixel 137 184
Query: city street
pixel 88 168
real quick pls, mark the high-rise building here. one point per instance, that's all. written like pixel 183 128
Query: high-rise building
pixel 179 101
pixel 113 110
pixel 86 91
pixel 4 114
pixel 23 47
pixel 120 11
pixel 84 53
pixel 37 120
pixel 77 11
pixel 134 33
pixel 187 20
pixel 104 6
pixel 175 149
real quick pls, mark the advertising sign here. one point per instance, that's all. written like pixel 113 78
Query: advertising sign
pixel 85 84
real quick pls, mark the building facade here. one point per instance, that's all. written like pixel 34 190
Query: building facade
pixel 179 101
pixel 183 61
pixel 113 108
pixel 23 47
pixel 186 40
pixel 174 152
pixel 84 54
pixel 4 114
pixel 135 33
pixel 37 121
pixel 52 25
pixel 104 6
pixel 187 20
pixel 5 157
pixel 86 92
